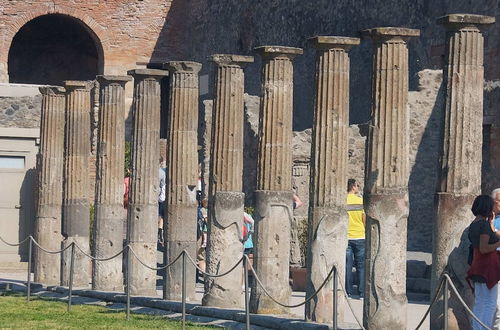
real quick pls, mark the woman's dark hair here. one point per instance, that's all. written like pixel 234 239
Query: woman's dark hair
pixel 483 205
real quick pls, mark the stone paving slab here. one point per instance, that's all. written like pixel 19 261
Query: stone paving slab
pixel 204 320
pixel 198 311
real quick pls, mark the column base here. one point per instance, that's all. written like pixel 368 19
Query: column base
pixel 224 250
pixel 385 274
pixel 272 251
pixel 82 266
pixel 48 235
pixel 450 252
pixel 327 248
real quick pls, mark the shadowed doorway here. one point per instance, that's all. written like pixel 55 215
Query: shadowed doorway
pixel 52 48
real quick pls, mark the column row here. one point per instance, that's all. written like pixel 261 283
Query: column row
pixel 66 126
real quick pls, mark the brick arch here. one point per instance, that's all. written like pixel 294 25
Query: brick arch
pixel 97 32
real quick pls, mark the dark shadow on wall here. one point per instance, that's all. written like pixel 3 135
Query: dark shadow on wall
pixel 456 268
pixel 491 136
pixel 250 161
pixel 423 179
pixel 27 201
pixel 174 42
pixel 196 29
pixel 239 26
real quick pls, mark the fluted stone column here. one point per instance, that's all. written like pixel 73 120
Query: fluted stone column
pixel 182 176
pixel 327 241
pixel 386 181
pixel 50 179
pixel 76 187
pixel 142 221
pixel 226 182
pixel 109 212
pixel 274 179
pixel 461 155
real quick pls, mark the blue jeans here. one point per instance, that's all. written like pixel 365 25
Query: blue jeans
pixel 355 254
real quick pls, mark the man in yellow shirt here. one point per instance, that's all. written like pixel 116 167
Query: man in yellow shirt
pixel 355 253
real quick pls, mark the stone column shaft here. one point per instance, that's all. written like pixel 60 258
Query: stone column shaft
pixel 50 179
pixel 76 208
pixel 182 176
pixel 274 179
pixel 109 212
pixel 461 154
pixel 327 239
pixel 226 182
pixel 386 183
pixel 144 180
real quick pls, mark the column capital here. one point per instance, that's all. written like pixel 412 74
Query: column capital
pixel 459 21
pixel 278 51
pixel 108 79
pixel 333 42
pixel 141 74
pixel 390 33
pixel 52 90
pixel 231 60
pixel 78 84
pixel 182 67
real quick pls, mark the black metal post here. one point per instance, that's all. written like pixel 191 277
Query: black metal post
pixel 28 289
pixel 247 311
pixel 71 273
pixel 335 301
pixel 183 289
pixel 445 304
pixel 127 274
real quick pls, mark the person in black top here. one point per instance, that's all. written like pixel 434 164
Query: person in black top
pixel 484 270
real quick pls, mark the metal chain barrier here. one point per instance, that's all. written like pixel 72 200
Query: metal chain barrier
pixel 15 244
pixel 48 251
pixel 212 275
pixel 444 281
pixel 153 268
pixel 296 305
pixel 454 289
pixel 99 259
pixel 434 299
pixel 348 302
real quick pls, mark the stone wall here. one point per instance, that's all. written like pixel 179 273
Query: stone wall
pixel 23 111
pixel 237 26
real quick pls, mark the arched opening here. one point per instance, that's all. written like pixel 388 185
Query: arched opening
pixel 52 48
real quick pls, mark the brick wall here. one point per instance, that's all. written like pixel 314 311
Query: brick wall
pixel 129 31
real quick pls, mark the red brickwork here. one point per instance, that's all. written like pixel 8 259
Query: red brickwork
pixel 127 30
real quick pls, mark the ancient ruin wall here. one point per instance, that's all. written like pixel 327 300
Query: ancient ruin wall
pixel 21 111
pixel 237 26
pixel 130 32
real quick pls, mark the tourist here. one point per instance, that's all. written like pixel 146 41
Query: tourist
pixel 495 194
pixel 355 253
pixel 161 202
pixel 296 202
pixel 248 228
pixel 484 271
pixel 126 188
pixel 202 234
